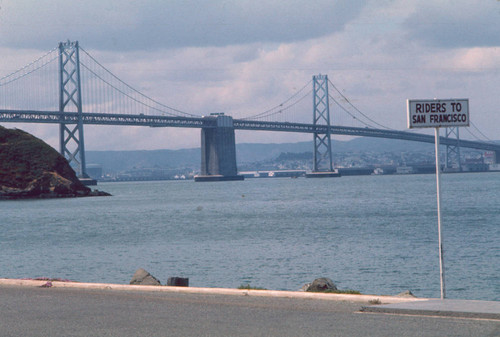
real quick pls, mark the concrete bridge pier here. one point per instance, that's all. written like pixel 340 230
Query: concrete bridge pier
pixel 496 157
pixel 218 150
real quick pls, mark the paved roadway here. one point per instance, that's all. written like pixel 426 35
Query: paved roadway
pixel 35 311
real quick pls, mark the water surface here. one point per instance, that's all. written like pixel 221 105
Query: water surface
pixel 375 234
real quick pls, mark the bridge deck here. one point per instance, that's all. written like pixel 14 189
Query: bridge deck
pixel 16 116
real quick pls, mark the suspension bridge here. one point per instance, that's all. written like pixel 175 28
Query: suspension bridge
pixel 73 89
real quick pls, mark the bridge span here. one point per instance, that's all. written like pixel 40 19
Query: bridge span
pixel 55 117
pixel 120 104
pixel 222 161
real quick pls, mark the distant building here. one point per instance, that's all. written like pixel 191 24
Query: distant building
pixel 94 171
pixel 404 170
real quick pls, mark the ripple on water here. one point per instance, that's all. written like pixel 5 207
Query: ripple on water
pixel 372 234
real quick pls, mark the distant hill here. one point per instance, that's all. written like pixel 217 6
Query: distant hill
pixel 245 153
pixel 128 160
pixel 371 144
pixel 258 152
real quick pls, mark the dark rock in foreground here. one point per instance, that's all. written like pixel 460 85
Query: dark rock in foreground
pixel 321 284
pixel 29 168
pixel 407 293
pixel 142 277
pixel 178 281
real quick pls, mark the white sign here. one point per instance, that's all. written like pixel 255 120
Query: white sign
pixel 436 113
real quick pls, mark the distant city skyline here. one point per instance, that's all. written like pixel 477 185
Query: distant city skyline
pixel 243 57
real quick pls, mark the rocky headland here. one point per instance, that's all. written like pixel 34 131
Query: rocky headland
pixel 30 168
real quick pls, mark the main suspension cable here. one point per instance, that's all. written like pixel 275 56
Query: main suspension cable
pixel 355 108
pixel 348 112
pixel 135 90
pixel 475 127
pixel 268 113
pixel 29 65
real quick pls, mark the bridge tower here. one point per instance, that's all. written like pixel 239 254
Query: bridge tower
pixel 321 116
pixel 453 151
pixel 322 155
pixel 218 150
pixel 70 100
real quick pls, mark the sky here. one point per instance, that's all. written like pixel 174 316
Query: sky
pixel 243 57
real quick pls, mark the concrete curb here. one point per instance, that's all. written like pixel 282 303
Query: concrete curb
pixel 371 299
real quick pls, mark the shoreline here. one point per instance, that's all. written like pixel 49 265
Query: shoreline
pixel 382 299
pixel 200 299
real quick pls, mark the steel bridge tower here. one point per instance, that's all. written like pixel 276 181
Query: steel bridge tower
pixel 321 116
pixel 70 100
pixel 453 151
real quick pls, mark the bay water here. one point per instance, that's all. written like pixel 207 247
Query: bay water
pixel 374 234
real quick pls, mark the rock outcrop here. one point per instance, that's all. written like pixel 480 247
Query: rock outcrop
pixel 321 284
pixel 30 168
pixel 142 277
pixel 406 293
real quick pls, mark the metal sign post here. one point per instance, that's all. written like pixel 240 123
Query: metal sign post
pixel 438 188
pixel 435 114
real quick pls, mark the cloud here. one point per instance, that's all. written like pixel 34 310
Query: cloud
pixel 368 57
pixel 476 60
pixel 154 24
pixel 455 23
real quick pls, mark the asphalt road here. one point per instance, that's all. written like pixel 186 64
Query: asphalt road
pixel 82 312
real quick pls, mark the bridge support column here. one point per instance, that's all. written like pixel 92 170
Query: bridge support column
pixel 218 151
pixel 70 100
pixel 496 157
pixel 322 155
pixel 453 162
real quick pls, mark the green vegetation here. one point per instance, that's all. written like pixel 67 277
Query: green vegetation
pixel 286 156
pixel 338 291
pixel 248 287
